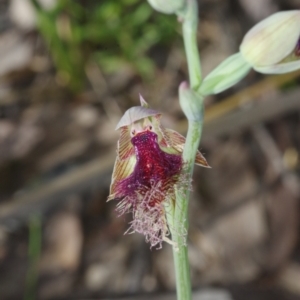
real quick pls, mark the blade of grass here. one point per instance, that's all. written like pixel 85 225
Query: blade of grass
pixel 34 251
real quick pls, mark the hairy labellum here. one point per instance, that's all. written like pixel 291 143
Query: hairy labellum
pixel 152 166
pixel 148 167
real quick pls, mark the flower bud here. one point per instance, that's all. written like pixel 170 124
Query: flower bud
pixel 272 45
pixel 167 6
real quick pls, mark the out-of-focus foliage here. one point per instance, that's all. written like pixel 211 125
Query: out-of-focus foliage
pixel 111 33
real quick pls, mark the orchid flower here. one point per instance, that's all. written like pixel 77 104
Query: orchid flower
pixel 148 167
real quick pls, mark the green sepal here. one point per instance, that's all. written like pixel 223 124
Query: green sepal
pixel 227 74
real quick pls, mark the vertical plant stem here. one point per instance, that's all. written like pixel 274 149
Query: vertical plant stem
pixel 34 251
pixel 181 262
pixel 180 255
pixel 189 32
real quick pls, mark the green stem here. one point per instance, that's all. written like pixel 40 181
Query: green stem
pixel 181 262
pixel 183 281
pixel 189 32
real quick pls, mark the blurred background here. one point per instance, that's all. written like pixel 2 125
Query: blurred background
pixel 68 71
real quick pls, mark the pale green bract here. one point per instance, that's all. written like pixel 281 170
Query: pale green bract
pixel 191 102
pixel 227 74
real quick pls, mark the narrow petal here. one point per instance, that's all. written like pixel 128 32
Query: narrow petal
pixel 163 139
pixel 177 141
pixel 201 161
pixel 122 169
pixel 125 147
pixel 125 160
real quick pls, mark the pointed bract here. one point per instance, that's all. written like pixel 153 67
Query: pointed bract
pixel 143 102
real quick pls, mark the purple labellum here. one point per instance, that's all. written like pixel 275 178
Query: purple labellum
pixel 149 186
pixel 153 165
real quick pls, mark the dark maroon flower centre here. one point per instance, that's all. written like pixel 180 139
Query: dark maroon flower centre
pixel 153 165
